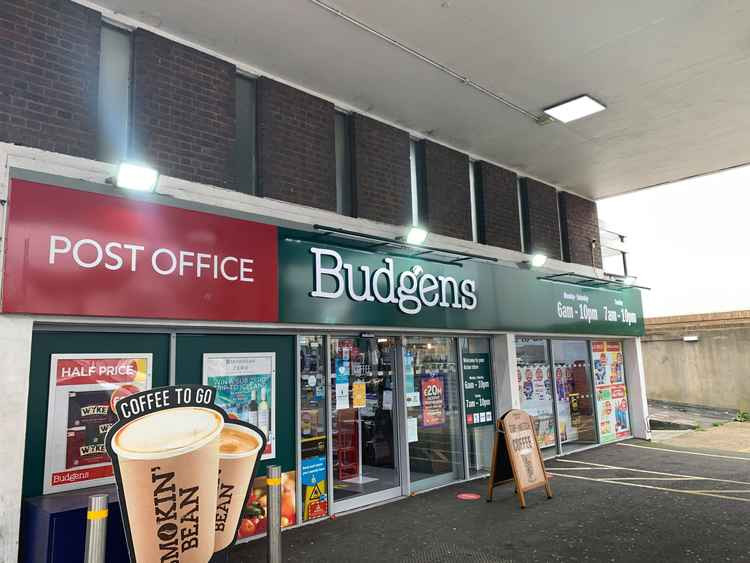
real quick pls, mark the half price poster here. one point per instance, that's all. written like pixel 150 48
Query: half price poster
pixel 246 388
pixel 82 393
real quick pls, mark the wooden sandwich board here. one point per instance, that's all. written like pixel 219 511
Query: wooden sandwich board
pixel 516 455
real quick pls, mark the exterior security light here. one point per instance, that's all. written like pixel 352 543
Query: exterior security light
pixel 136 177
pixel 691 338
pixel 417 235
pixel 538 260
pixel 576 108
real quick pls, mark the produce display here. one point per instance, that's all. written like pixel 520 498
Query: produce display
pixel 254 516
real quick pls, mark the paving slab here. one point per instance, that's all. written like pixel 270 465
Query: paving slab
pixel 665 415
pixel 729 437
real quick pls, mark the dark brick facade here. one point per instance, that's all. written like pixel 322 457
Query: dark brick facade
pixel 184 123
pixel 382 172
pixel 541 222
pixel 580 225
pixel 49 75
pixel 183 110
pixel 496 191
pixel 446 191
pixel 296 152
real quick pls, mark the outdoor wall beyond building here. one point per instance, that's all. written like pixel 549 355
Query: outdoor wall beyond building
pixel 699 360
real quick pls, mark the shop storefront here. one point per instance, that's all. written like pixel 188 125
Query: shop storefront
pixel 375 371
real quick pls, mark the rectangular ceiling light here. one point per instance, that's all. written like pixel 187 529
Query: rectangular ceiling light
pixel 575 109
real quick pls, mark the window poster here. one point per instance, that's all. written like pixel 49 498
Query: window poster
pixel 412 395
pixel 359 398
pixel 82 393
pixel 342 382
pixel 313 478
pixel 246 388
pixel 535 391
pixel 611 391
pixel 433 401
pixel 477 389
pixel 254 516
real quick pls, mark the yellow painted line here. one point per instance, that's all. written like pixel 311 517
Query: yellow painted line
pixel 273 481
pixel 603 466
pixel 665 489
pixel 687 453
pixel 97 514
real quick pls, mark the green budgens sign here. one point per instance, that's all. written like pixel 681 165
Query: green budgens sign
pixel 338 285
pixel 410 290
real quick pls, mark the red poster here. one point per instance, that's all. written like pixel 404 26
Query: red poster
pixel 74 252
pixel 84 389
pixel 433 410
pixel 613 346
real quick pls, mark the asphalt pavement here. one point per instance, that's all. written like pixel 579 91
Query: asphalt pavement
pixel 632 501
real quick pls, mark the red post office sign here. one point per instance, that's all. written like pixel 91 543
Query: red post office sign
pixel 73 252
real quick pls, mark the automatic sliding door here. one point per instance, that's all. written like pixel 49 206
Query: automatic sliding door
pixel 433 406
pixel 364 426
pixel 573 394
pixel 535 387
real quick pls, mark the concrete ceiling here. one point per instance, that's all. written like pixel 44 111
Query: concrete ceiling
pixel 674 75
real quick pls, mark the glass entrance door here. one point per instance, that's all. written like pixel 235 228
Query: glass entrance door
pixel 365 446
pixel 433 412
pixel 535 388
pixel 574 396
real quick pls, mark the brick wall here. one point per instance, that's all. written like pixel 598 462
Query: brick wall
pixel 498 219
pixel 49 75
pixel 296 153
pixel 541 223
pixel 183 110
pixel 580 225
pixel 382 172
pixel 446 191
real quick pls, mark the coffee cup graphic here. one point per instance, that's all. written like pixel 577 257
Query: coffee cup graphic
pixel 239 448
pixel 168 465
pixel 183 470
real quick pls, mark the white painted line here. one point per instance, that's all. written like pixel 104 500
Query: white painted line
pixel 653 479
pixel 721 490
pixel 665 489
pixel 747 459
pixel 603 466
pixel 574 468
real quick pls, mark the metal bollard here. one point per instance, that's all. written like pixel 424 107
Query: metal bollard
pixel 274 513
pixel 96 528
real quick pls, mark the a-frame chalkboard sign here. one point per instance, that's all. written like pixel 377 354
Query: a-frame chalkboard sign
pixel 516 455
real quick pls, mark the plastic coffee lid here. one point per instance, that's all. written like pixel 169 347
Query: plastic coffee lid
pixel 167 433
